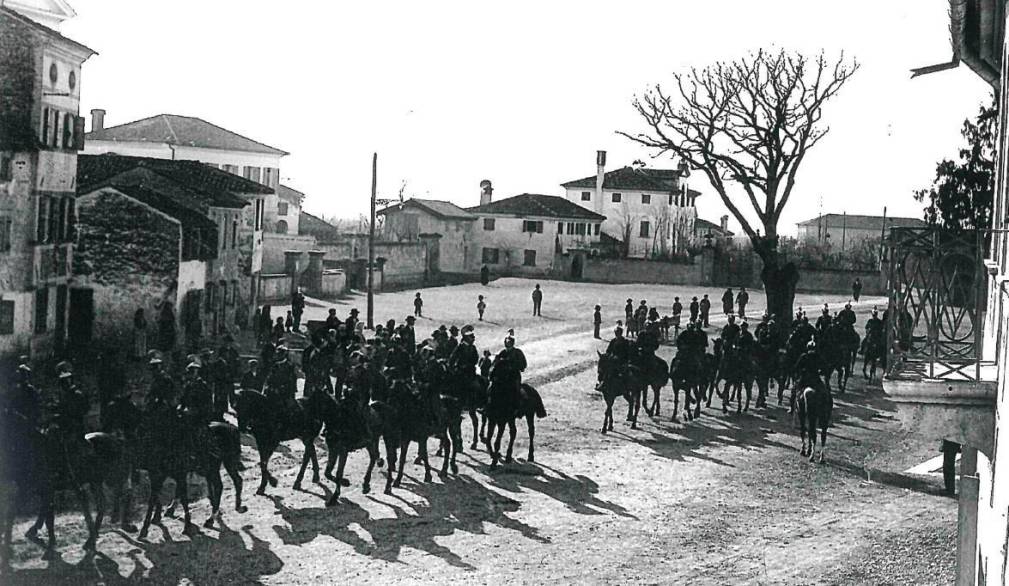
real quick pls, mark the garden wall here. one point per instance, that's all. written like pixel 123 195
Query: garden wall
pixel 634 270
pixel 839 281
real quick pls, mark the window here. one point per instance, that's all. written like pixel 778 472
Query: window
pixel 223 288
pixel 6 224
pixel 490 256
pixel 252 174
pixel 281 227
pixel 530 258
pixel 488 224
pixel 234 233
pixel 646 198
pixel 234 292
pixel 645 229
pixel 670 199
pixel 78 133
pixel 268 176
pixel 282 208
pixel 55 140
pixel 560 227
pixel 42 222
pixel 6 166
pixel 571 228
pixel 6 317
pixel 210 296
pixel 586 196
pixel 258 220
pixel 45 125
pixel 233 169
pixel 597 229
pixel 532 226
pixel 41 310
pixel 68 131
pixel 616 198
pixel 54 220
pixel 580 229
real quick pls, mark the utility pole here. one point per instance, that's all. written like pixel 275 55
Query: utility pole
pixel 844 228
pixel 371 244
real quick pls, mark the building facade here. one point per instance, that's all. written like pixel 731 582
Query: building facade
pixel 849 230
pixel 452 226
pixel 40 136
pixel 651 211
pixel 526 234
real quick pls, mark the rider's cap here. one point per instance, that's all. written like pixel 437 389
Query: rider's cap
pixel 410 318
pixel 354 311
pixel 618 330
pixel 453 328
pixel 66 374
pixel 281 348
pixel 23 359
pixel 154 360
pixel 25 368
pixel 811 344
pixel 193 365
pixel 467 329
pixel 253 361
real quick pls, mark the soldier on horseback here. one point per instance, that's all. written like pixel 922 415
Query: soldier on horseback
pixel 823 322
pixel 24 399
pixel 846 316
pixel 507 369
pixel 357 394
pixel 397 363
pixel 197 399
pixel 730 333
pixel 807 369
pixel 69 412
pixel 282 385
pixel 463 363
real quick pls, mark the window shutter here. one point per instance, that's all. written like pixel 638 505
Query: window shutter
pixel 78 133
pixel 45 126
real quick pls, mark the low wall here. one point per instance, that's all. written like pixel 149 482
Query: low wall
pixel 274 287
pixel 334 283
pixel 839 281
pixel 634 270
pixel 405 262
pixel 275 244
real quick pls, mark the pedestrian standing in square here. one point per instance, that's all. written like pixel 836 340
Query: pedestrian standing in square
pixel 289 322
pixel 856 289
pixel 418 305
pixel 677 310
pixel 727 299
pixel 705 307
pixel 297 308
pixel 597 321
pixel 695 308
pixel 629 310
pixel 537 300
pixel 742 298
pixel 480 306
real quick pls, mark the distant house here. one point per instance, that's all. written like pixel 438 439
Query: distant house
pixel 846 230
pixel 524 233
pixel 428 217
pixel 716 233
pixel 321 230
pixel 288 210
pixel 652 211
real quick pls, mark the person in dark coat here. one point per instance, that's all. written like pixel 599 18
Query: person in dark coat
pixel 197 396
pixel 484 275
pixel 695 309
pixel 508 367
pixel 331 320
pixel 742 299
pixel 730 333
pixel 282 383
pixel 856 289
pixel 727 299
pixel 24 399
pixel 619 347
pixel 537 300
pixel 597 321
pixel 297 307
pixel 409 336
pixel 71 409
pixel 166 328
pixel 162 390
pixel 418 305
pixel 705 309
pixel 253 378
pixel 629 310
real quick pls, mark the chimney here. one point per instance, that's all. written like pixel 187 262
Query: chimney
pixel 600 176
pixel 724 222
pixel 486 189
pixel 97 119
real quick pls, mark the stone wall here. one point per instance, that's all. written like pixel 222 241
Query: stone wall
pixel 275 244
pixel 334 283
pixel 839 281
pixel 274 287
pixel 633 270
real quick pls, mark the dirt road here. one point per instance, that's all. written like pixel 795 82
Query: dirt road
pixel 725 500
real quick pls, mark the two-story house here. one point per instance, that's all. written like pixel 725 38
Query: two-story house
pixel 173 137
pixel 451 225
pixel 524 234
pixel 220 196
pixel 40 136
pixel 651 212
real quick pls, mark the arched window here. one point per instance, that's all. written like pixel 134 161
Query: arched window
pixel 281 227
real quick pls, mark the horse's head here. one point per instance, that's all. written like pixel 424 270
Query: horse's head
pixel 247 404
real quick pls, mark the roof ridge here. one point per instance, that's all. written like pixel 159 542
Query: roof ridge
pixel 231 132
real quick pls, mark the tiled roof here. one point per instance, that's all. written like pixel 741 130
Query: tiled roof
pixel 183 131
pixel 205 180
pixel 288 194
pixel 191 179
pixel 632 179
pixel 862 222
pixel 17 16
pixel 168 205
pixel 442 209
pixel 702 226
pixel 536 205
pixel 323 231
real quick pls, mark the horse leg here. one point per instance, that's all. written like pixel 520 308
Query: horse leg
pixel 749 392
pixel 390 453
pixel 445 447
pixel 811 424
pixel 7 531
pixel 607 414
pixel 49 519
pixel 644 399
pixel 85 502
pixel 264 459
pixel 404 445
pixel 422 453
pixel 511 440
pixel 476 425
pixel 455 431
pixel 231 466
pixel 156 484
pixel 497 443
pixel 215 488
pixel 305 457
pixel 182 493
pixel 657 405
pixel 531 426
pixel 372 459
pixel 341 459
pixel 676 403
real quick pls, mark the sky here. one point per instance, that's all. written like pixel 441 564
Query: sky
pixel 521 93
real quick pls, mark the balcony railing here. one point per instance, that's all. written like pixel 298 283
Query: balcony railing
pixel 936 304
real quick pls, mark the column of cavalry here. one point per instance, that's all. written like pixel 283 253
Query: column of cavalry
pixel 358 394
pixel 805 360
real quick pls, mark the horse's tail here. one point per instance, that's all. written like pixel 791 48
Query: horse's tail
pixel 536 400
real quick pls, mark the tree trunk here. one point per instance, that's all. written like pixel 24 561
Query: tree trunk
pixel 779 286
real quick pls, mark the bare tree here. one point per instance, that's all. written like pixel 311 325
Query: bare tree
pixel 748 124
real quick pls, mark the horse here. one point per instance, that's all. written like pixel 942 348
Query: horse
pixel 656 374
pixel 613 383
pixel 873 350
pixel 814 411
pixel 170 447
pixel 736 369
pixel 258 415
pixel 504 406
pixel 686 373
pixel 834 350
pixel 767 371
pixel 453 401
pixel 346 433
pixel 419 416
